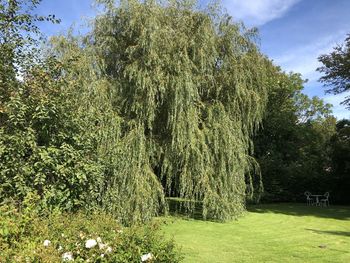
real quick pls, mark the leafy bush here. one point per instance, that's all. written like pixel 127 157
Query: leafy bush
pixel 27 236
pixel 42 144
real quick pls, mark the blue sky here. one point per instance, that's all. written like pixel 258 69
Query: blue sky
pixel 293 32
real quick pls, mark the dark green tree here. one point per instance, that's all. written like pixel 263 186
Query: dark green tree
pixel 339 181
pixel 291 147
pixel 42 147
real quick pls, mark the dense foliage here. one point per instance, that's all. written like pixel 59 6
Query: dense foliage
pixel 339 179
pixel 298 147
pixel 190 88
pixel 42 143
pixel 158 99
pixel 301 146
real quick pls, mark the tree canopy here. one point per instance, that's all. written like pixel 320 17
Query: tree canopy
pixel 191 87
pixel 336 69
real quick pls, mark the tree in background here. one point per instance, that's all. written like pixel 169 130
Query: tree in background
pixel 339 182
pixel 336 69
pixel 292 146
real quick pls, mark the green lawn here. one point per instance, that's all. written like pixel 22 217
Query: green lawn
pixel 267 233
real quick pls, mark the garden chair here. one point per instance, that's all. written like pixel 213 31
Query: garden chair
pixel 325 201
pixel 309 200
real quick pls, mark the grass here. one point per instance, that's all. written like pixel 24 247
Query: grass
pixel 267 233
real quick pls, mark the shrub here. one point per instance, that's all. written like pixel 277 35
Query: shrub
pixel 29 236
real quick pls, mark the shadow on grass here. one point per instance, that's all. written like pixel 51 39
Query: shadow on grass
pixel 179 208
pixel 337 233
pixel 335 212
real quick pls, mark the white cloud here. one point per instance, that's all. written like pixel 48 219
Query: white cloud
pixel 258 12
pixel 304 60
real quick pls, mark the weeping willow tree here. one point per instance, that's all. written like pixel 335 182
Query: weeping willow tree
pixel 170 96
pixel 124 181
pixel 189 88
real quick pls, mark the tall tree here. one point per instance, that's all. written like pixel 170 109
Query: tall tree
pixel 42 147
pixel 291 147
pixel 191 88
pixel 336 69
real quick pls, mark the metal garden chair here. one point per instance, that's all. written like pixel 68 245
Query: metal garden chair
pixel 325 201
pixel 309 200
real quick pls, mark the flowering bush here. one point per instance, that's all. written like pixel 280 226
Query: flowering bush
pixel 27 236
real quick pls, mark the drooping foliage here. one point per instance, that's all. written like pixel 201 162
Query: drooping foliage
pixel 160 99
pixel 127 188
pixel 190 88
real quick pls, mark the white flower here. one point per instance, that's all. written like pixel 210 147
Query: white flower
pixel 108 250
pixel 68 256
pixel 146 257
pixel 59 248
pixel 47 243
pixel 99 240
pixel 102 255
pixel 90 243
pixel 101 245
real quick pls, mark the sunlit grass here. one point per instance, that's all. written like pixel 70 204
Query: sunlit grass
pixel 267 233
